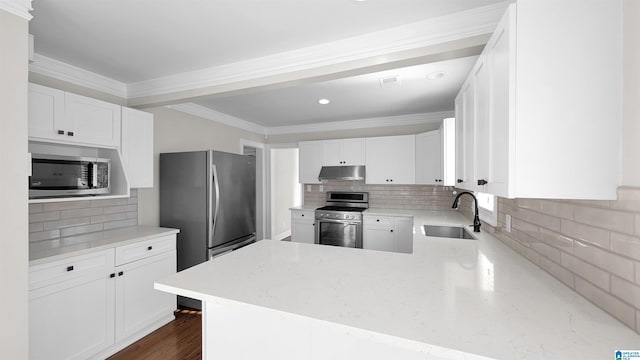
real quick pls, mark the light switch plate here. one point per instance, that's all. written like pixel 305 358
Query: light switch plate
pixel 308 188
pixel 321 188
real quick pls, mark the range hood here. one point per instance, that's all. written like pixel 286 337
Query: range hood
pixel 342 173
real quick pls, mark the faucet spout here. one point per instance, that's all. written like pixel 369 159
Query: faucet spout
pixel 476 217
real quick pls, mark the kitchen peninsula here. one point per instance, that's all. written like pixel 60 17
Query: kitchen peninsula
pixel 450 299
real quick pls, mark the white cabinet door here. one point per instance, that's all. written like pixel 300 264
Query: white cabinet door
pixel 138 304
pixel 390 160
pixel 352 151
pixel 501 63
pixel 71 307
pixel 482 131
pixel 429 158
pixel 388 233
pixel 404 234
pixel 137 147
pixel 379 239
pixel 331 153
pixel 303 231
pixel 46 112
pixel 468 116
pixel 92 121
pixel 401 159
pixel 303 226
pixel 376 161
pixel 459 177
pixel 309 161
pixel 343 152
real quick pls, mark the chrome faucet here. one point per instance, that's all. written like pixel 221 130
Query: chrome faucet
pixel 476 218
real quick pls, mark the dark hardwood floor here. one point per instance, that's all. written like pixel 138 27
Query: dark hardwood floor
pixel 180 339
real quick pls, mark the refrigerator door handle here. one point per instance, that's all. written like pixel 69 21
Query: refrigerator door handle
pixel 216 186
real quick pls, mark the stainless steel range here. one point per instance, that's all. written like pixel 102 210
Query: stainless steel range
pixel 340 222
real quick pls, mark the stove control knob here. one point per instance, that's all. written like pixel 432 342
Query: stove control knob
pixel 348 217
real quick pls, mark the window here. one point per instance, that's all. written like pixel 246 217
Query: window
pixel 487 208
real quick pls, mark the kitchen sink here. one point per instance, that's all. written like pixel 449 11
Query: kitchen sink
pixel 455 232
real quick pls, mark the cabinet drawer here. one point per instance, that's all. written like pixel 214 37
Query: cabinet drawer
pixel 379 221
pixel 100 262
pixel 140 250
pixel 303 215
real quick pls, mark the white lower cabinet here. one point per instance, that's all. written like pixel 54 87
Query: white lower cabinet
pixel 303 226
pixel 87 307
pixel 71 314
pixel 138 304
pixel 388 233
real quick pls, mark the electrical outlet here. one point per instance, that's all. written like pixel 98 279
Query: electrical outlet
pixel 308 188
pixel 507 223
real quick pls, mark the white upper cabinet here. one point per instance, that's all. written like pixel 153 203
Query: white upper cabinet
pixel 544 125
pixel 137 147
pixel 390 160
pixel 64 117
pixel 309 161
pixel 92 121
pixel 429 162
pixel 46 111
pixel 343 152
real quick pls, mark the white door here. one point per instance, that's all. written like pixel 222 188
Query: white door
pixel 401 159
pixel 138 304
pixel 72 319
pixel 429 158
pixel 468 114
pixel 352 151
pixel 482 137
pixel 331 153
pixel 310 161
pixel 137 147
pixel 46 112
pixel 376 161
pixel 379 239
pixel 92 121
pixel 303 231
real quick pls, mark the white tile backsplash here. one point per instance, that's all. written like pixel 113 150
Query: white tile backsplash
pixel 64 223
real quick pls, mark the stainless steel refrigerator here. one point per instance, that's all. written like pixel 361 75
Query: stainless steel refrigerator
pixel 211 197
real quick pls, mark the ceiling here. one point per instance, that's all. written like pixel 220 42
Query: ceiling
pixel 142 40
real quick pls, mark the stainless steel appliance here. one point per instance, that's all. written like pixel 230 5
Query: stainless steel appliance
pixel 340 222
pixel 55 176
pixel 211 197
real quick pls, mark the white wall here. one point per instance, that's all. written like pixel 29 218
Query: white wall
pixel 631 95
pixel 177 131
pixel 285 190
pixel 14 253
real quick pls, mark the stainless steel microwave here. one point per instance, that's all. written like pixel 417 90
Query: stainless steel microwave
pixel 62 176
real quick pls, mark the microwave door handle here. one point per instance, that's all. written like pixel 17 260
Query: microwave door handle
pixel 94 175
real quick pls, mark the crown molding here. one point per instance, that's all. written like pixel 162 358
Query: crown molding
pixel 62 71
pixel 465 24
pixel 400 120
pixel 21 8
pixel 209 114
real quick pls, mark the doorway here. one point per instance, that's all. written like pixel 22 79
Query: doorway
pixel 257 149
pixel 285 189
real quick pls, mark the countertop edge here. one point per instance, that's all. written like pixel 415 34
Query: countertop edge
pixel 112 239
pixel 407 344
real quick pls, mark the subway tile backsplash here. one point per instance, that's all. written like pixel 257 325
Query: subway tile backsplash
pixel 591 246
pixel 412 197
pixel 65 223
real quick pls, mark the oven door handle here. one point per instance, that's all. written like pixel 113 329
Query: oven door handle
pixel 345 222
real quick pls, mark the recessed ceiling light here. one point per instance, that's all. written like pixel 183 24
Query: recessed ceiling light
pixel 323 101
pixel 435 75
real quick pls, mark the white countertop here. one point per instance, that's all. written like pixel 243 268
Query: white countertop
pixel 473 296
pixel 98 241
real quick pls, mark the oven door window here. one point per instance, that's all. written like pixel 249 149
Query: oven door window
pixel 338 234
